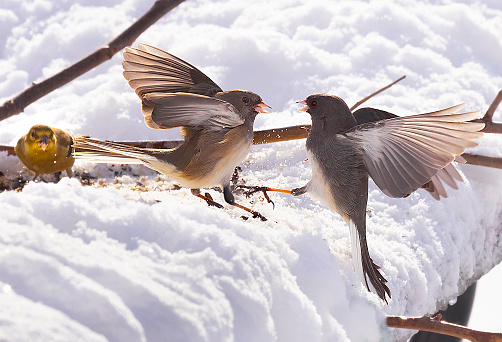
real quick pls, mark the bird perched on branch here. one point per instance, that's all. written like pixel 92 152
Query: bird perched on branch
pixel 217 125
pixel 46 149
pixel 401 154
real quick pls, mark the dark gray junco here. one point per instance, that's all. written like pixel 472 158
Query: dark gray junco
pixel 217 126
pixel 400 154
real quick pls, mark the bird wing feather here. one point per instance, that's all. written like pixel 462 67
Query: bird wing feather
pixel 447 175
pixel 149 69
pixel 404 153
pixel 183 109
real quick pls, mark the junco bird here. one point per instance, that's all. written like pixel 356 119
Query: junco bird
pixel 46 149
pixel 401 154
pixel 449 174
pixel 217 126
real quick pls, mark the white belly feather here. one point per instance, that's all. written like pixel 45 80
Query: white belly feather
pixel 318 187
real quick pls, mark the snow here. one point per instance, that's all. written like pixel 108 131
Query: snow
pixel 134 258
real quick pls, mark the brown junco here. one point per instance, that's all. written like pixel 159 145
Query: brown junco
pixel 217 125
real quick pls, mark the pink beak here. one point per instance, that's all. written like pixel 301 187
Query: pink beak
pixel 260 107
pixel 305 108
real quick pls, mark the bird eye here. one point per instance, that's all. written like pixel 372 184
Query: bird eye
pixel 33 135
pixel 245 99
pixel 313 103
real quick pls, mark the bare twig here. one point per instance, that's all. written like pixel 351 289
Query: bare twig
pixel 9 149
pixel 490 127
pixel 434 324
pixel 493 107
pixel 476 159
pixel 375 93
pixel 281 134
pixel 37 90
pixel 300 132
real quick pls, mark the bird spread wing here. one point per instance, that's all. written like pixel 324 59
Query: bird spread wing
pixel 365 115
pixel 183 109
pixel 448 174
pixel 149 69
pixel 404 153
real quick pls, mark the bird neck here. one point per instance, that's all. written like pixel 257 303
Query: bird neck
pixel 249 119
pixel 334 124
pixel 249 122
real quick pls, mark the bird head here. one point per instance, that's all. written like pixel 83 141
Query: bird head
pixel 41 135
pixel 331 110
pixel 248 103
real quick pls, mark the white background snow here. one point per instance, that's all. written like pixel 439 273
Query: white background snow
pixel 134 259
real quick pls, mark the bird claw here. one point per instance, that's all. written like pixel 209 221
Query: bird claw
pixel 251 189
pixel 210 202
pixel 295 192
pixel 260 216
pixel 254 189
pixel 298 191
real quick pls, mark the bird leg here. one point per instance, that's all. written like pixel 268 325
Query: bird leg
pixel 253 189
pixel 206 197
pixel 229 198
pixel 235 175
pixel 264 189
pixel 57 175
pixel 252 212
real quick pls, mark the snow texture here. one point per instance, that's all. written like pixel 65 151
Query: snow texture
pixel 135 258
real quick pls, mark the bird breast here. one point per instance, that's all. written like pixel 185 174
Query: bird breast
pixel 217 158
pixel 319 187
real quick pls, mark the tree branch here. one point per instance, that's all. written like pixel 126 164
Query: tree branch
pixel 490 127
pixel 37 90
pixel 301 131
pixel 434 324
pixel 281 134
pixel 476 159
pixel 493 107
pixel 375 93
pixel 9 149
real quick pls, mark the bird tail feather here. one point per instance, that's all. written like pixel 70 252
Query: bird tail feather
pixel 355 243
pixel 363 264
pixel 99 151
